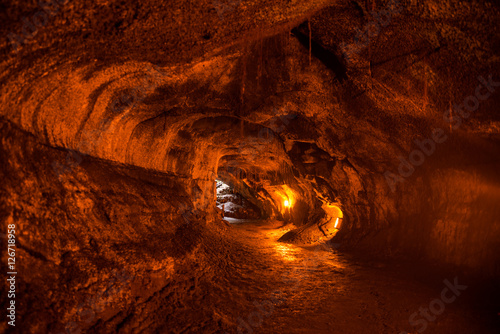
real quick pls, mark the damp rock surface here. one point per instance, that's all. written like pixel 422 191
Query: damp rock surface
pixel 370 127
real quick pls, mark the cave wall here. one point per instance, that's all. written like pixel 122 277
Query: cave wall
pixel 152 125
pixel 96 243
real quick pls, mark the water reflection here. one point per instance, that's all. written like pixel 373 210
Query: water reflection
pixel 287 252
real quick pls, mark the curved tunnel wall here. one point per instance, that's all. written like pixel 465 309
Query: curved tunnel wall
pixel 157 132
pixel 333 139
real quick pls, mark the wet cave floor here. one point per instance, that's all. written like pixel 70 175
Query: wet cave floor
pixel 265 286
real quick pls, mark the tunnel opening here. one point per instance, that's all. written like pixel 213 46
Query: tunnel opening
pixel 233 204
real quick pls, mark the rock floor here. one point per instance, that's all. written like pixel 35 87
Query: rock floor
pixel 320 290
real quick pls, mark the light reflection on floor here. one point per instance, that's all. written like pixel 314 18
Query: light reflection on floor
pixel 286 251
pixel 320 289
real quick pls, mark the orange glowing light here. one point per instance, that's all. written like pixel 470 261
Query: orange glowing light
pixel 287 204
pixel 287 252
pixel 336 222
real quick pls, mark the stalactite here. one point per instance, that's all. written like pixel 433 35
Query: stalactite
pixel 425 90
pixel 244 74
pixel 451 117
pixel 310 42
pixel 450 104
pixel 261 62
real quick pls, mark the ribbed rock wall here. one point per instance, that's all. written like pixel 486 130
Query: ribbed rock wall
pixel 150 131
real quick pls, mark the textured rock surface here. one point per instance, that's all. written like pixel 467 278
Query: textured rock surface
pixel 156 101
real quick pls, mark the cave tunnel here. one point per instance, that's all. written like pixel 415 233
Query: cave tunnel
pixel 321 166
